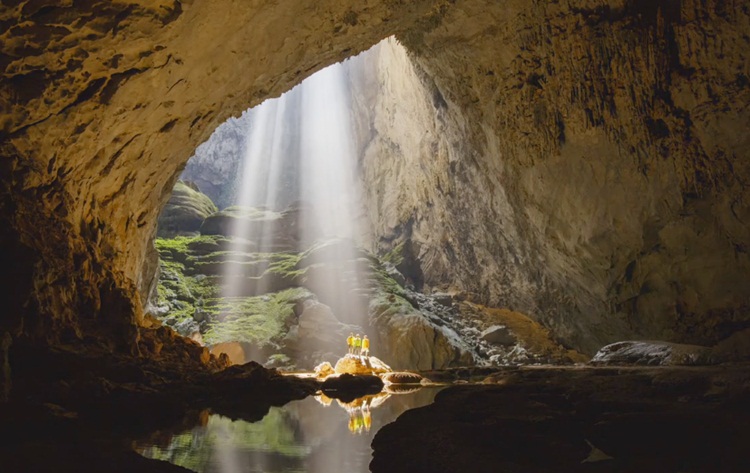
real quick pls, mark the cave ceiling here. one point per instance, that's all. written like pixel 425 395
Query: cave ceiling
pixel 603 190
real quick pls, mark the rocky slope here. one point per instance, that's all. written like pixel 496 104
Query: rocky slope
pixel 268 297
pixel 582 161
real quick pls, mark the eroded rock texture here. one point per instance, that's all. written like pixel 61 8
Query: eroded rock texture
pixel 583 161
pixel 103 102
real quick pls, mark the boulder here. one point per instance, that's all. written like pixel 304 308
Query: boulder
pixel 352 364
pixel 318 334
pixel 401 377
pixel 348 387
pixel 408 340
pixel 499 335
pixel 651 353
pixel 323 370
pixel 233 350
pixel 185 211
pixel 316 317
pixel 443 298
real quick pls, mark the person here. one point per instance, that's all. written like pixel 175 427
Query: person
pixel 367 417
pixel 350 343
pixel 357 345
pixel 365 346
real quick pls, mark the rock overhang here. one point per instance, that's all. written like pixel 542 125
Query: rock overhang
pixel 103 103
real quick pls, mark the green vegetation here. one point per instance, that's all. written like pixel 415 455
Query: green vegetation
pixel 395 256
pixel 285 265
pixel 180 248
pixel 384 304
pixel 189 286
pixel 382 282
pixel 260 320
pixel 193 269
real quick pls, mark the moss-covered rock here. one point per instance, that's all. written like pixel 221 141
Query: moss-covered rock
pixel 185 211
pixel 272 231
pixel 295 309
pixel 260 321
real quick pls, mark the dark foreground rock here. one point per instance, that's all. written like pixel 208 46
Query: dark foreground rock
pixel 348 387
pixel 80 410
pixel 663 419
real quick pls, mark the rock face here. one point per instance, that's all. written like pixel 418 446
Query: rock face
pixel 216 163
pixel 583 161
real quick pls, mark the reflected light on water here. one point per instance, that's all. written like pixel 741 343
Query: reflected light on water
pixel 312 435
pixel 299 152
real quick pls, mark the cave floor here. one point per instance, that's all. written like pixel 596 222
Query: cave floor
pixel 80 408
pixel 579 419
pixel 84 411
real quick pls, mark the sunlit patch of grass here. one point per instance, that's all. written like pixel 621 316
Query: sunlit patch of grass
pixel 285 265
pixel 256 320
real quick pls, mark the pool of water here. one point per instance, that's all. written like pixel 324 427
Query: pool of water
pixel 316 434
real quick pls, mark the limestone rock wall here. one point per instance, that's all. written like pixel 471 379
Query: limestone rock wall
pixel 586 163
pixel 216 163
pixel 103 102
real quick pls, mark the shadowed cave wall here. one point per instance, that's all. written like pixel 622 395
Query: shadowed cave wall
pixel 585 161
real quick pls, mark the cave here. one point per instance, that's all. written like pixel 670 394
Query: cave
pixel 574 168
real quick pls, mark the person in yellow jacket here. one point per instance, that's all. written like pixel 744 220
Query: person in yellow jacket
pixel 357 345
pixel 350 343
pixel 367 417
pixel 365 346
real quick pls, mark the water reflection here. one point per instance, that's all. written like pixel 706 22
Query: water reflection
pixel 316 434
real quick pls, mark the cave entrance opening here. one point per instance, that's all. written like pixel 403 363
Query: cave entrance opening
pixel 261 243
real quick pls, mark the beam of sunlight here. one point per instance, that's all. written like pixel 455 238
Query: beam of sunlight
pixel 330 186
pixel 298 184
pixel 327 162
